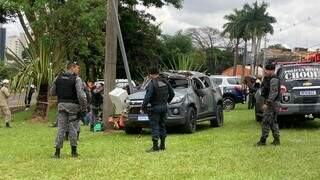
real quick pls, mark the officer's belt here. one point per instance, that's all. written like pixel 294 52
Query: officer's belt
pixel 68 101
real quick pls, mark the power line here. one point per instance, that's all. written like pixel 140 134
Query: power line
pixel 294 25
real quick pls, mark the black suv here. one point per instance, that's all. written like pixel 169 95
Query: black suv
pixel 300 92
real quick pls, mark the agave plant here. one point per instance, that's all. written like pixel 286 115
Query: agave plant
pixel 184 62
pixel 41 66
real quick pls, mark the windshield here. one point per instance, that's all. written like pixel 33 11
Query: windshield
pixel 300 75
pixel 233 81
pixel 175 83
pixel 217 81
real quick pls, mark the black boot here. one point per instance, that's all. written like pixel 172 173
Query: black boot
pixel 154 148
pixel 74 151
pixel 8 125
pixel 162 143
pixel 276 141
pixel 262 142
pixel 56 154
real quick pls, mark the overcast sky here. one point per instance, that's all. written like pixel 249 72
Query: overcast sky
pixel 297 20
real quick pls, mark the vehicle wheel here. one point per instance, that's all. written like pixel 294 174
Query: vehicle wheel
pixel 228 103
pixel 218 121
pixel 132 130
pixel 190 124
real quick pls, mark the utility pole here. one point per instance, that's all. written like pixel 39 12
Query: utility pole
pixel 264 55
pixel 122 48
pixel 110 65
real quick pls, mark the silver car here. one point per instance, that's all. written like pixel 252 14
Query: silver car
pixel 195 100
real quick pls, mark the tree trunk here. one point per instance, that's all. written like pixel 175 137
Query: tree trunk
pixel 110 65
pixel 87 70
pixel 235 57
pixel 40 113
pixel 244 60
pixel 94 73
pixel 253 51
pixel 209 54
pixel 258 56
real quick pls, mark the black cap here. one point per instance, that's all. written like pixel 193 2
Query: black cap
pixel 270 66
pixel 153 70
pixel 72 64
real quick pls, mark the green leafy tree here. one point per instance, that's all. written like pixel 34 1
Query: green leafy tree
pixel 7 71
pixel 175 46
pixel 140 34
pixel 40 70
pixel 237 29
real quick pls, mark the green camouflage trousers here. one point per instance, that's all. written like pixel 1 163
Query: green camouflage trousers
pixel 269 121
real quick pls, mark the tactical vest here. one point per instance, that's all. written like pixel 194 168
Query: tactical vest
pixel 266 87
pixel 66 88
pixel 161 92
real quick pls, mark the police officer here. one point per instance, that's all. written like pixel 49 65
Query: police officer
pixel 271 92
pixel 252 91
pixel 159 93
pixel 72 103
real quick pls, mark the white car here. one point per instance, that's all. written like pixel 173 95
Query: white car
pixel 226 81
pixel 120 83
pixel 232 90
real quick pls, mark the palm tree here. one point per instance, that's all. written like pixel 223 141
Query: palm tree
pixel 40 67
pixel 259 23
pixel 235 31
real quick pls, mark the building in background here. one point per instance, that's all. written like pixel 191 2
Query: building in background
pixel 2 42
pixel 16 44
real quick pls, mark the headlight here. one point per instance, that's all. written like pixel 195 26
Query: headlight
pixel 127 101
pixel 177 99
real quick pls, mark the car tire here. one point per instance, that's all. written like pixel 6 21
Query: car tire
pixel 228 103
pixel 190 121
pixel 219 119
pixel 132 130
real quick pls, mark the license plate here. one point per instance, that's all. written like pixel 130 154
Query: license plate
pixel 143 118
pixel 308 93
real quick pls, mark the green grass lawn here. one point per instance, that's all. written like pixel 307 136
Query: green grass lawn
pixel 210 153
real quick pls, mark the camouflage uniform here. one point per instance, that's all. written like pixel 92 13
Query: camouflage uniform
pixel 269 120
pixel 69 115
pixel 270 91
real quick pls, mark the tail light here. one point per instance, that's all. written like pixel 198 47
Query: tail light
pixel 283 109
pixel 283 89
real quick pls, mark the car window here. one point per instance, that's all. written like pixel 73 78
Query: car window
pixel 198 83
pixel 233 81
pixel 174 82
pixel 217 81
pixel 178 83
pixel 206 81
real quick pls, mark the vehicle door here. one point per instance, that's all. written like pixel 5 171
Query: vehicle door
pixel 210 92
pixel 202 96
